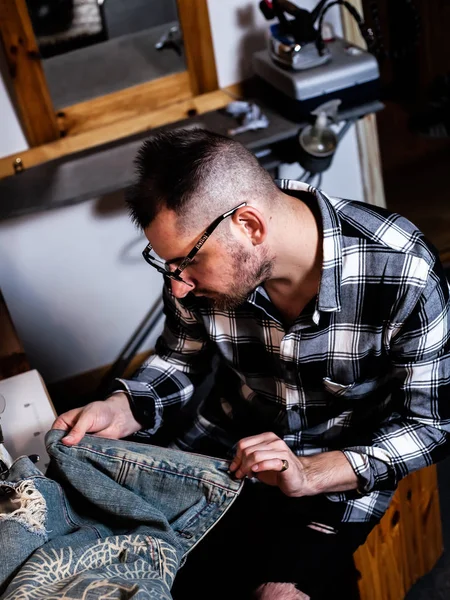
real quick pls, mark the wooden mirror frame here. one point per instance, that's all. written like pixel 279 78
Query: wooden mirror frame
pixel 52 134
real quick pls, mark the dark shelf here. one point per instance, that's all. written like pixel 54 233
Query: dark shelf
pixel 109 168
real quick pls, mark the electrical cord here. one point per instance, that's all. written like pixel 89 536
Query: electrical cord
pixel 310 178
pixel 150 321
pixel 319 181
pixel 316 12
pixel 307 177
pixel 366 31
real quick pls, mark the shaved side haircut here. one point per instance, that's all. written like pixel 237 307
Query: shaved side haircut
pixel 199 175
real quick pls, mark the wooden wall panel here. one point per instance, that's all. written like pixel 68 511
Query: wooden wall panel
pixel 27 76
pixel 194 19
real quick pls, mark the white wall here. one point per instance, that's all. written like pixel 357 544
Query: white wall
pixel 11 135
pixel 73 278
pixel 76 285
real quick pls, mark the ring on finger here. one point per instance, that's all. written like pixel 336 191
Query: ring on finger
pixel 285 465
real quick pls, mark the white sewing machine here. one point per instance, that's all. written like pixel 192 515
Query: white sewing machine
pixel 28 415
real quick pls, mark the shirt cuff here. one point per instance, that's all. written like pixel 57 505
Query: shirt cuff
pixel 361 465
pixel 374 467
pixel 141 403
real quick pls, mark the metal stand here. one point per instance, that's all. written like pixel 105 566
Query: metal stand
pixel 133 345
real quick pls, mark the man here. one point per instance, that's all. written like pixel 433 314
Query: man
pixel 325 323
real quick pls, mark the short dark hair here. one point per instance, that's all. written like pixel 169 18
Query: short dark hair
pixel 194 172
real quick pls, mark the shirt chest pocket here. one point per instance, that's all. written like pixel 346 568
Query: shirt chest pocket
pixel 351 391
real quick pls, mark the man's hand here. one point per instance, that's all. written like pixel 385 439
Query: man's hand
pixel 111 418
pixel 263 456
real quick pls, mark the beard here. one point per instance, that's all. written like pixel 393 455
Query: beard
pixel 247 272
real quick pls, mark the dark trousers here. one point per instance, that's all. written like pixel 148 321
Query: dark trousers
pixel 265 537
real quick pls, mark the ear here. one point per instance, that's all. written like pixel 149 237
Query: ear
pixel 251 223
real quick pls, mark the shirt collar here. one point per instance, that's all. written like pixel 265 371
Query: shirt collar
pixel 329 298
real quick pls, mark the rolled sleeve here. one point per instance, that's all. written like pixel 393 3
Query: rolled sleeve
pixel 363 470
pixel 417 435
pixel 167 380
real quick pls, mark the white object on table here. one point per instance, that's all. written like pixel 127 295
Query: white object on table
pixel 28 415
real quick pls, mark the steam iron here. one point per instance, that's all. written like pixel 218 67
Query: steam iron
pixel 305 64
pixel 292 42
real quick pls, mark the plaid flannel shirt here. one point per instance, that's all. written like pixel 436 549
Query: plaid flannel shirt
pixel 365 368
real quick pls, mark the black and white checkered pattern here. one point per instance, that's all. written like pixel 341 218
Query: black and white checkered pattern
pixel 364 369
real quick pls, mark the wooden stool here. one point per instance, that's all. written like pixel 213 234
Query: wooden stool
pixel 407 542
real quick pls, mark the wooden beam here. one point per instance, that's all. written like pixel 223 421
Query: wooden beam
pixel 126 104
pixel 366 129
pixel 370 160
pixel 199 51
pixel 117 130
pixel 22 54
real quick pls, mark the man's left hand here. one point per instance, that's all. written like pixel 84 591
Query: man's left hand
pixel 263 456
pixel 270 459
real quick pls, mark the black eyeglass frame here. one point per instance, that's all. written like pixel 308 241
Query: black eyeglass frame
pixel 175 274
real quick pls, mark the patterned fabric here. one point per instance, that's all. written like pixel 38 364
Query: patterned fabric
pixel 111 519
pixel 115 567
pixel 365 368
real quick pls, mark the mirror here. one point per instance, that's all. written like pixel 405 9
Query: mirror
pixel 78 108
pixel 91 48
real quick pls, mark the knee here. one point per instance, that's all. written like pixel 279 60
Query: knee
pixel 279 591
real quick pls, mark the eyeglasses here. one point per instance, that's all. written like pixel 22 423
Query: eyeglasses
pixel 164 267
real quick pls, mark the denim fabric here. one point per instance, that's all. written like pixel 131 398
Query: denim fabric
pixel 111 519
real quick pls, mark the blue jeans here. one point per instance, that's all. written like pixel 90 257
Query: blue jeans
pixel 111 519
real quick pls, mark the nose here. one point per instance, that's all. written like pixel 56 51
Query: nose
pixel 180 289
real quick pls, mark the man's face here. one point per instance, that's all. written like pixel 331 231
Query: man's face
pixel 245 271
pixel 225 271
